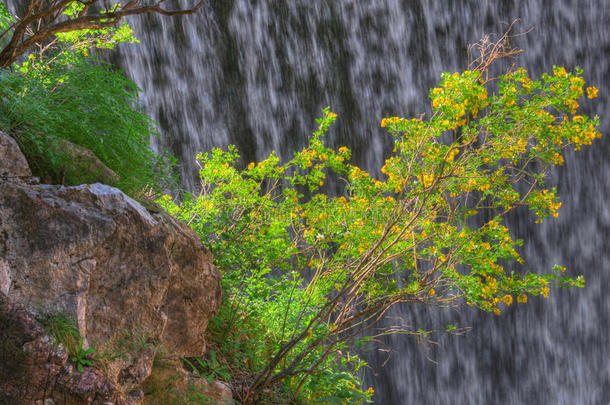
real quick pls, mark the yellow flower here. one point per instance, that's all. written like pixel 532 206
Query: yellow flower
pixel 559 71
pixel 579 119
pixel 428 179
pixel 431 292
pixel 591 92
pixel 522 299
pixel 251 166
pixel 572 104
pixel 508 299
pixel 558 159
pixel 526 83
pixel 497 311
pixel 451 155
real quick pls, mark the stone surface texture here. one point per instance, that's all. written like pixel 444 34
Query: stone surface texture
pixel 12 162
pixel 133 280
pixel 170 383
pixel 84 160
pixel 34 369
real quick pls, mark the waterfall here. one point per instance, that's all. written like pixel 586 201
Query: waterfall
pixel 256 73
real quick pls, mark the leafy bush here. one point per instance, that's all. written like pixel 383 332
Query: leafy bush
pixel 86 102
pixel 307 273
pixel 60 92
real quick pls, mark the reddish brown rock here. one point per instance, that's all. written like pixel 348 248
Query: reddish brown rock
pixel 34 369
pixel 133 280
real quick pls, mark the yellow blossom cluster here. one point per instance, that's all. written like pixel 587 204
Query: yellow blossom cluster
pixel 357 174
pixel 576 84
pixel 559 71
pixel 388 121
pixel 526 84
pixel 591 92
pixel 572 105
pixel 451 155
pixel 426 179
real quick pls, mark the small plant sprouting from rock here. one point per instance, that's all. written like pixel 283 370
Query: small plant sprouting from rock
pixel 209 369
pixel 64 331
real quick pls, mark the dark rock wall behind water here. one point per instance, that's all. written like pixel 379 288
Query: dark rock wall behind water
pixel 257 72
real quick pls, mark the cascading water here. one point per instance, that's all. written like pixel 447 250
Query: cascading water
pixel 256 73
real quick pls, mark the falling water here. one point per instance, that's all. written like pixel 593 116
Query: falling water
pixel 256 73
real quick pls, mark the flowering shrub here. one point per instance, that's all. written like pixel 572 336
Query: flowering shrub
pixel 315 271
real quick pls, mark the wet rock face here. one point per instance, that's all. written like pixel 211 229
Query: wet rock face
pixel 133 280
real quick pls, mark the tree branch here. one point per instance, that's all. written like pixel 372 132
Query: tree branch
pixel 50 22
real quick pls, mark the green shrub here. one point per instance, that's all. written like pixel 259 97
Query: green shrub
pixel 61 93
pixel 90 104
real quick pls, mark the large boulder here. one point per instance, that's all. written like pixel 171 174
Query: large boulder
pixel 133 280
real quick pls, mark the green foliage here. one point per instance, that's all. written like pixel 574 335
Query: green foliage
pixel 306 273
pixel 64 331
pixel 81 41
pixel 87 103
pixel 6 20
pixel 210 369
pixel 127 344
pixel 61 93
pixel 81 357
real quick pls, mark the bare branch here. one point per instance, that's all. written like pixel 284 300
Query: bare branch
pixel 490 51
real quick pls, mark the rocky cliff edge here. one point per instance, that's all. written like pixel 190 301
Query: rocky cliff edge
pixel 135 283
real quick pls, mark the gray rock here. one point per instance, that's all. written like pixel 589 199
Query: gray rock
pixel 12 162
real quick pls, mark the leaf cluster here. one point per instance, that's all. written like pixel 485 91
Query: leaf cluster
pixel 87 102
pixel 44 22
